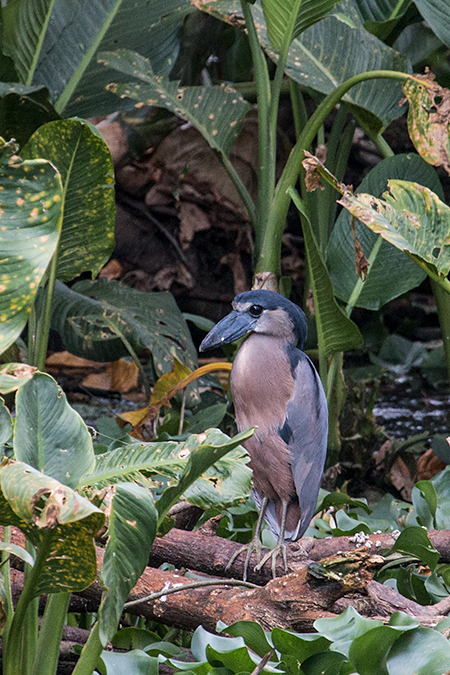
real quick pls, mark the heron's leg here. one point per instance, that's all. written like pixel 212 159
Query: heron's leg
pixel 254 545
pixel 279 548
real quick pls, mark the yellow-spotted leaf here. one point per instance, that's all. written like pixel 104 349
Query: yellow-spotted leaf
pixel 217 112
pixel 31 201
pixel 132 529
pixel 85 164
pixel 410 217
pixel 60 523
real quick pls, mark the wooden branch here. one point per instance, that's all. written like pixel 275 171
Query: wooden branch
pixel 210 554
pixel 319 587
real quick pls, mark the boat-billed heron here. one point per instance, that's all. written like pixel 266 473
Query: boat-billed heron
pixel 276 388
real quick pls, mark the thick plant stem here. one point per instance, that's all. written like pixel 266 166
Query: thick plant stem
pixel 91 653
pixel 442 299
pixel 43 327
pixel 50 634
pixel 269 258
pixel 13 655
pixel 262 80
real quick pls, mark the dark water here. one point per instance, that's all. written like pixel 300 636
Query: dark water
pixel 405 410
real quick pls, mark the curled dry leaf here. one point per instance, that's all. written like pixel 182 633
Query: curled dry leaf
pixel 361 263
pixel 429 119
pixel 428 465
pixel 265 280
pixel 312 175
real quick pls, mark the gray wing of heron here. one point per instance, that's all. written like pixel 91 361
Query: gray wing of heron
pixel 305 431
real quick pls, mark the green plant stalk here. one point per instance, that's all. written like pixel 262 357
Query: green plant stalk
pixel 298 107
pixel 263 93
pixel 357 289
pixel 442 299
pixel 43 322
pixel 443 282
pixel 269 257
pixel 13 654
pixel 50 634
pixel 90 653
pixel 278 80
pixel 6 568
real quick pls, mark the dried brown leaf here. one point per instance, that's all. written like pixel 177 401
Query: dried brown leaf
pixel 429 119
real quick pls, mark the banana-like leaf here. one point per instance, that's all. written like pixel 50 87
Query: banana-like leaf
pixel 223 483
pixel 132 529
pixel 49 434
pixel 337 48
pixel 217 112
pixel 148 321
pixel 381 16
pixel 136 462
pixel 279 17
pixel 59 522
pixel 82 157
pixel 335 331
pixel 25 23
pixel 31 200
pixel 437 16
pixel 391 273
pixel 203 451
pixel 411 217
pixel 54 44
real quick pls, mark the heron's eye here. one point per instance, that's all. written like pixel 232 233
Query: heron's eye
pixel 255 311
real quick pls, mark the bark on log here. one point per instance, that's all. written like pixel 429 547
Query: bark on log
pixel 210 554
pixel 294 601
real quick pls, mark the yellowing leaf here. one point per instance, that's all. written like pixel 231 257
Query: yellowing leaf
pixel 429 119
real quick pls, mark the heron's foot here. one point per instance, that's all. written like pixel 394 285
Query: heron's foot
pixel 254 545
pixel 274 553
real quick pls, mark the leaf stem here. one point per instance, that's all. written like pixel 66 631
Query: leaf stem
pixel 50 634
pixel 90 654
pixel 269 258
pixel 263 95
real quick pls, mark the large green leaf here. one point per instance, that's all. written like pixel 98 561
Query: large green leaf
pixel 54 43
pixel 368 651
pixel 335 331
pixel 437 16
pixel 337 48
pixel 149 321
pixel 412 218
pixel 279 17
pixel 419 652
pixel 49 434
pixel 213 446
pixel 226 481
pixel 217 112
pixel 132 529
pixel 31 200
pixel 381 16
pixel 392 273
pixel 25 23
pixel 150 27
pixel 60 523
pixel 79 152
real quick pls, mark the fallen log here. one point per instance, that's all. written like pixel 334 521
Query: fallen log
pixel 317 588
pixel 210 554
